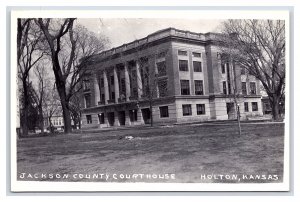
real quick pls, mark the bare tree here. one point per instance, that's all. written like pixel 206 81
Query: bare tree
pixel 51 104
pixel 260 48
pixel 75 107
pixel 39 93
pixel 67 45
pixel 28 54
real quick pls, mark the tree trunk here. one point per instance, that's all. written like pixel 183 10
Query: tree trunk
pixel 25 109
pixel 50 125
pixel 66 115
pixel 79 119
pixel 41 117
pixel 274 101
pixel 61 88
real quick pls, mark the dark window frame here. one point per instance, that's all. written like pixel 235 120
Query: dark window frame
pixel 200 108
pixel 164 111
pixel 254 106
pixel 199 84
pixel 112 80
pixel 89 119
pixel 244 88
pixel 198 68
pixel 183 89
pixel 183 65
pixel 196 54
pixel 253 90
pixel 189 110
pixel 246 107
pixel 182 53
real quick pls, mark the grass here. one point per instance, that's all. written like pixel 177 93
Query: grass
pixel 188 151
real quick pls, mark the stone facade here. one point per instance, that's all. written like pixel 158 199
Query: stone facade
pixel 179 74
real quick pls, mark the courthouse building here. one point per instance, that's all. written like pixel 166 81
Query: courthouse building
pixel 180 76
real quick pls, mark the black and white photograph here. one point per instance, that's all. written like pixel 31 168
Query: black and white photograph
pixel 150 101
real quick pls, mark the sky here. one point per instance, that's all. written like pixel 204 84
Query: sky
pixel 125 30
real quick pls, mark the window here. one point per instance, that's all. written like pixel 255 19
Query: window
pixel 112 81
pixel 223 68
pixel 123 86
pixel 164 111
pixel 87 101
pixel 102 82
pixel 162 85
pixel 198 87
pixel 185 87
pixel 161 68
pixel 243 71
pixel 246 106
pixel 186 110
pixel 86 85
pixel 254 106
pixel 244 88
pixel 183 65
pixel 197 66
pixel 89 119
pixel 224 88
pixel 184 53
pixel 101 118
pixel 252 88
pixel 196 55
pixel 102 97
pixel 200 109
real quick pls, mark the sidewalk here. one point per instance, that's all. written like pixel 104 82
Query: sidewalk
pixel 147 127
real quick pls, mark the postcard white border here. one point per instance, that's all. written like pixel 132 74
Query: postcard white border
pixel 21 186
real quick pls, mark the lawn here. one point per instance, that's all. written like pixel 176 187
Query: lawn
pixel 187 153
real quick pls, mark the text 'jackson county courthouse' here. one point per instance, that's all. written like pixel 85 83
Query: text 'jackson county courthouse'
pixel 180 72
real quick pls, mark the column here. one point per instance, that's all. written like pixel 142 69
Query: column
pixel 96 90
pixel 116 85
pixel 140 119
pixel 106 93
pixel 106 119
pixel 127 81
pixel 117 122
pixel 139 79
pixel 127 118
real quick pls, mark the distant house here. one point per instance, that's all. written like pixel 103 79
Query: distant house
pixel 54 115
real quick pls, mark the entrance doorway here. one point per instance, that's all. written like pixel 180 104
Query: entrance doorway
pixel 133 115
pixel 230 110
pixel 146 115
pixel 121 117
pixel 111 118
